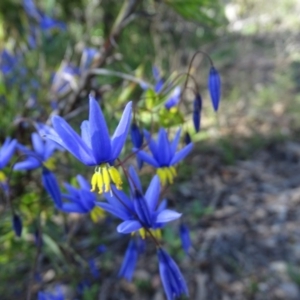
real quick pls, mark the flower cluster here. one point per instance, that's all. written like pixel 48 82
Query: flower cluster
pixel 114 187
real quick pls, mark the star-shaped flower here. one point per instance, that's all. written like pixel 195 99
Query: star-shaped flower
pixel 95 147
pixel 140 212
pixel 81 200
pixel 164 156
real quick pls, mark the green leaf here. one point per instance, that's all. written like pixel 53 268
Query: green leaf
pixel 170 118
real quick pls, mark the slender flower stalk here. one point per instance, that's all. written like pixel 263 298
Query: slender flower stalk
pixel 164 156
pixel 95 147
pixel 172 279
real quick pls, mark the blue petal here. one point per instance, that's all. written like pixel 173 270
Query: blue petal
pixel 152 193
pixel 173 281
pixel 7 151
pixel 120 200
pixel 50 147
pixel 162 206
pixel 114 211
pixel 142 209
pixel 85 133
pixel 147 158
pixel 151 144
pixel 100 139
pixel 71 190
pixel 38 144
pixel 175 142
pixel 83 183
pixel 181 154
pixel 129 226
pixel 29 164
pixel 88 199
pixel 129 261
pixel 164 155
pixel 119 137
pixel 51 186
pixel 71 141
pixel 133 177
pixel 167 215
pixel 72 208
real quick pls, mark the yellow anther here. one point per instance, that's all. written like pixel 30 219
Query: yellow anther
pixel 2 177
pixel 97 214
pixel 106 179
pixel 94 182
pixel 173 171
pixel 169 175
pixel 103 176
pixel 156 233
pixel 142 232
pixel 50 163
pixel 116 177
pixel 166 174
pixel 99 182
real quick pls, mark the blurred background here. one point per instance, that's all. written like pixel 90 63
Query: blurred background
pixel 239 190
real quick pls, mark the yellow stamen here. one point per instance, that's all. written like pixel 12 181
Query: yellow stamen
pixel 156 233
pixel 116 177
pixel 166 174
pixel 105 175
pixel 142 232
pixel 50 163
pixel 2 177
pixel 97 214
pixel 106 179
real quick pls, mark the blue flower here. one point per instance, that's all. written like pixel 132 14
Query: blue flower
pixel 174 98
pixel 140 212
pixel 130 260
pixel 172 279
pixel 164 156
pixel 95 147
pixel 17 225
pixel 197 112
pixel 185 238
pixel 81 200
pixel 57 295
pixel 39 156
pixel 214 86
